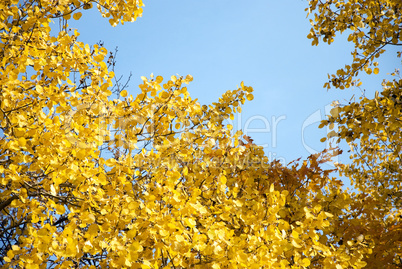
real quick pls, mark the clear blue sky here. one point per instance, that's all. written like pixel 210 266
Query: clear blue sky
pixel 221 43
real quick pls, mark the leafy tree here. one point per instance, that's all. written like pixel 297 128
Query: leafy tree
pixel 371 126
pixel 151 181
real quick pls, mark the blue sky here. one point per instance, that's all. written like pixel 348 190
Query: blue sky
pixel 221 43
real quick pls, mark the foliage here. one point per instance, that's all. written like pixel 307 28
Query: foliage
pixel 154 180
pixel 371 126
pixel 372 25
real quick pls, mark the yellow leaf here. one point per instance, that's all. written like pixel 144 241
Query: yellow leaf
pixel 77 15
pixel 10 254
pixel 29 61
pixel 223 180
pixel 305 262
pixel 53 190
pixel 22 142
pixel 164 233
pixel 127 263
pixel 329 215
pixel 123 93
pixel 189 78
pixel 39 89
pixel 110 162
pixel 179 238
pixel 295 244
pixel 146 264
pixel 159 79
pixel 60 209
pixel 164 95
pixel 190 222
pixel 198 207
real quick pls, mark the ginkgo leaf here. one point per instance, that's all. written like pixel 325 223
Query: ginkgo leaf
pixel 295 244
pixel 250 97
pixel 77 15
pixel 305 262
pixel 123 93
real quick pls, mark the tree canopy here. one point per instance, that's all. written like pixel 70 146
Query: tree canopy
pixel 158 180
pixel 371 126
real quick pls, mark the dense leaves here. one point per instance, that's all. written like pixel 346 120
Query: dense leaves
pixel 370 24
pixel 158 180
pixel 371 126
